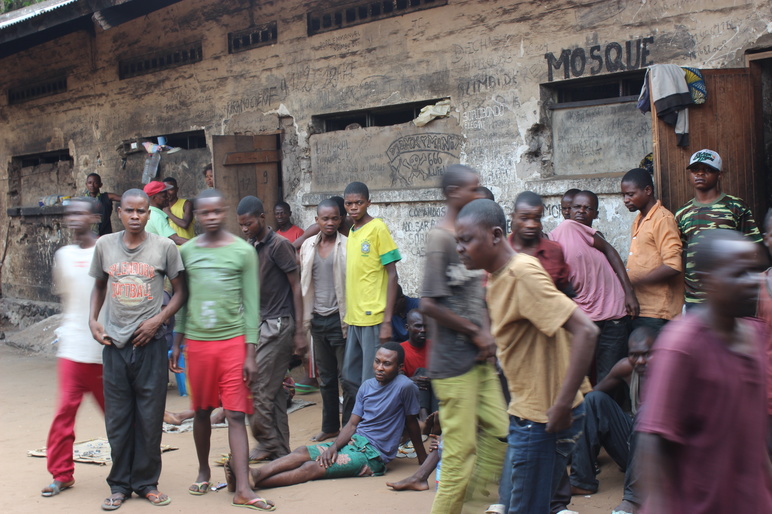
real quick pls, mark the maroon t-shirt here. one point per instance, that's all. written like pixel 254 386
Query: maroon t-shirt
pixel 710 402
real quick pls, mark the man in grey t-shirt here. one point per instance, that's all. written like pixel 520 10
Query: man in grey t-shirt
pixel 129 269
pixel 472 409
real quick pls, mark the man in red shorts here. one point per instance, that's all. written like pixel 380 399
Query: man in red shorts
pixel 220 328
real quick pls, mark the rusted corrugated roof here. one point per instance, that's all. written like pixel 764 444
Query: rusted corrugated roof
pixel 25 13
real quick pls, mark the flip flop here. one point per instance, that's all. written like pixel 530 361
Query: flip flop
pixel 305 389
pixel 158 502
pixel 55 488
pixel 201 488
pixel 252 504
pixel 113 503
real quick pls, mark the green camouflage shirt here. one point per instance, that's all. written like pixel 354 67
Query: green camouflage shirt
pixel 728 212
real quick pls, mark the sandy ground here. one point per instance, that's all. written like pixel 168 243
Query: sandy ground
pixel 27 387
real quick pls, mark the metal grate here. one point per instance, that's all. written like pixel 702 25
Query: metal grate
pixel 253 37
pixel 161 60
pixel 364 12
pixel 39 89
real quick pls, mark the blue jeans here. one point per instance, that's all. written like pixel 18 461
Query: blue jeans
pixel 535 463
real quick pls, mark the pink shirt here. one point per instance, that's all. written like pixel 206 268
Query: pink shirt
pixel 598 290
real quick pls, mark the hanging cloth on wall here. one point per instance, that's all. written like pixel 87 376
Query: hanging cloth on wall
pixel 671 96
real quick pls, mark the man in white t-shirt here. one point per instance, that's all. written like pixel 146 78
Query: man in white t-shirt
pixel 79 355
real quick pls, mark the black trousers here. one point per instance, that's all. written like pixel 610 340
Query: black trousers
pixel 329 350
pixel 135 382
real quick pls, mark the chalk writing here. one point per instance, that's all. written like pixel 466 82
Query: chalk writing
pixel 418 157
pixel 614 56
pixel 481 83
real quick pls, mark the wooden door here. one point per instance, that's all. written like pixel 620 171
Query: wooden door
pixel 248 165
pixel 728 123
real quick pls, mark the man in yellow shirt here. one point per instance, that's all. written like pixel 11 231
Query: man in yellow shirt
pixel 545 366
pixel 179 210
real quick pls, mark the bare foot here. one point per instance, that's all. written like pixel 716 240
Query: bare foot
pixel 627 507
pixel 171 418
pixel 322 436
pixel 410 483
pixel 259 455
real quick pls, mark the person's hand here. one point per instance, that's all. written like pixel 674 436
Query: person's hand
pixel 434 445
pixel 631 304
pixel 328 458
pixel 301 345
pixel 146 331
pixel 174 360
pixel 99 334
pixel 250 371
pixel 422 383
pixel 167 210
pixel 486 345
pixel 386 332
pixel 558 418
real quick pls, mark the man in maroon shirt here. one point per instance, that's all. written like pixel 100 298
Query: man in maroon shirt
pixel 703 429
pixel 527 237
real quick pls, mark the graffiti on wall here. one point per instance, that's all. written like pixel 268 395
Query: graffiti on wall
pixel 419 157
pixel 612 57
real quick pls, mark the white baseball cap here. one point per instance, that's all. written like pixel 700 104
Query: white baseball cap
pixel 707 157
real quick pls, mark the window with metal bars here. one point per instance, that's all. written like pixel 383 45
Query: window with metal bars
pixel 364 12
pixel 161 60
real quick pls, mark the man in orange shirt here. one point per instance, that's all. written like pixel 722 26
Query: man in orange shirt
pixel 654 264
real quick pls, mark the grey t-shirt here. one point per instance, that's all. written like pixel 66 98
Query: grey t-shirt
pixel 135 280
pixel 449 283
pixel 325 301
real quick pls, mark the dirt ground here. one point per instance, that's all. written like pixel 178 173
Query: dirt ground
pixel 27 386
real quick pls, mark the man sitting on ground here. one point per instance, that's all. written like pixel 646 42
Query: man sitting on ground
pixel 416 350
pixel 606 425
pixel 385 406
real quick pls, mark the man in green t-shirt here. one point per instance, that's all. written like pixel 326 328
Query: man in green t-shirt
pixel 220 326
pixel 158 223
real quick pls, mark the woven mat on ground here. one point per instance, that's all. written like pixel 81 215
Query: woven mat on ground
pixel 93 451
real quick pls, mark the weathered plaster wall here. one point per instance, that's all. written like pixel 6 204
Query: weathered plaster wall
pixel 490 58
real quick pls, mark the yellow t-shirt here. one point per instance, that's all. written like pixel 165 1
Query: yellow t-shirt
pixel 178 209
pixel 527 315
pixel 368 250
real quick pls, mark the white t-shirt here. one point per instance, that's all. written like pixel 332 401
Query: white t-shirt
pixel 74 284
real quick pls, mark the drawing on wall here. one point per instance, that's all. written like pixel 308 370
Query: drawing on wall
pixel 419 157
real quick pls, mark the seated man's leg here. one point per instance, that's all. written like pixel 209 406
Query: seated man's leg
pixel 458 405
pixel 538 461
pixel 605 425
pixel 418 481
pixel 272 473
pixel 631 499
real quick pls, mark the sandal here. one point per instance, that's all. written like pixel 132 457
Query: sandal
pixel 55 488
pixel 253 504
pixel 199 488
pixel 113 503
pixel 158 502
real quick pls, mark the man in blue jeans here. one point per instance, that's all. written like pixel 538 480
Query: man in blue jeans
pixel 545 366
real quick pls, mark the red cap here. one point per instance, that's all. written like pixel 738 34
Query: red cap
pixel 155 187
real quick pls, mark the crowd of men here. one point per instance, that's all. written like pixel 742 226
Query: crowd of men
pixel 528 352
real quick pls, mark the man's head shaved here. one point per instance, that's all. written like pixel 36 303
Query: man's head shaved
pixel 250 205
pixel 455 175
pixel 710 249
pixel 207 194
pixel 485 213
pixel 528 198
pixel 135 193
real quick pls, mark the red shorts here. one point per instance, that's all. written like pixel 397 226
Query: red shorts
pixel 215 372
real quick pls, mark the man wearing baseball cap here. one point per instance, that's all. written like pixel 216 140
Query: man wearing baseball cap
pixel 159 220
pixel 709 209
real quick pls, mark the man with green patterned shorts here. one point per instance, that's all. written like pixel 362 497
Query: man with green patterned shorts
pixel 385 406
pixel 709 209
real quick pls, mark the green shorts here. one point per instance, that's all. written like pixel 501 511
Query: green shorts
pixel 357 459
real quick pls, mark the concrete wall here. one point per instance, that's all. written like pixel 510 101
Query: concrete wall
pixel 495 60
